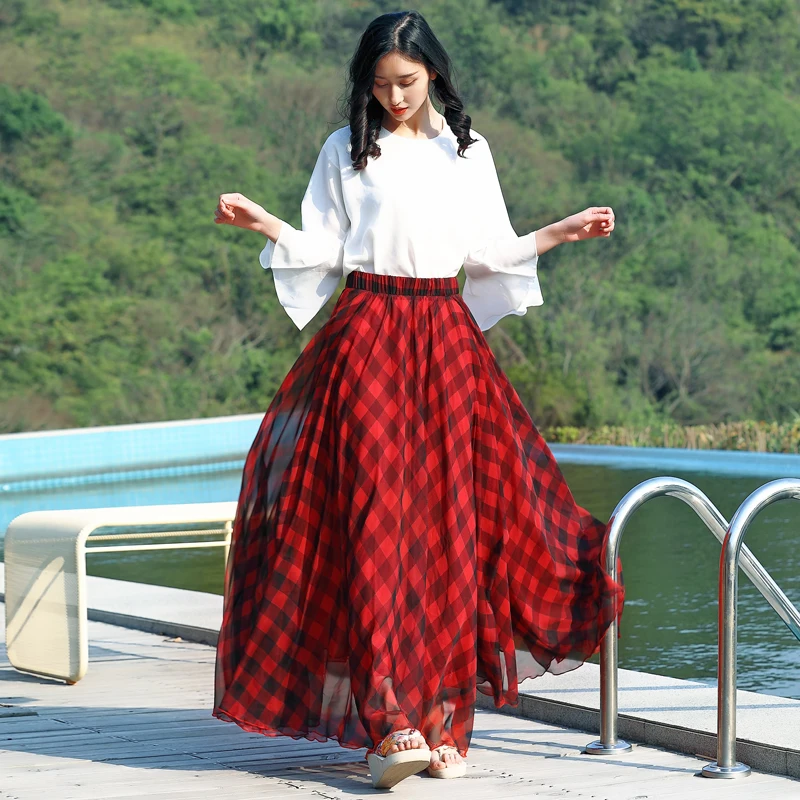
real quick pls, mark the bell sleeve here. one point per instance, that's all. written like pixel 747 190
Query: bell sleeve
pixel 501 267
pixel 307 263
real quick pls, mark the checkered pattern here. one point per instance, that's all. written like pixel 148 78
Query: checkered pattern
pixel 404 537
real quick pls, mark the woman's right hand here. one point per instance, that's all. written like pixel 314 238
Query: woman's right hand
pixel 235 209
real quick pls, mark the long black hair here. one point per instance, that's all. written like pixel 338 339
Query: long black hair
pixel 408 34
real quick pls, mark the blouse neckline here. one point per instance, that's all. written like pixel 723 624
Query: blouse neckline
pixel 436 138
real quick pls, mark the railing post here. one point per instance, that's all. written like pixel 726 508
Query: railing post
pixel 726 765
pixel 609 712
pixel 608 743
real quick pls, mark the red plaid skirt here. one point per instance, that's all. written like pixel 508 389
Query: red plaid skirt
pixel 404 536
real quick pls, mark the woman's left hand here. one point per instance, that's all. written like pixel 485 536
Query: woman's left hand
pixel 595 221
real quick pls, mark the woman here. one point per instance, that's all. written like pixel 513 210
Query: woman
pixel 404 537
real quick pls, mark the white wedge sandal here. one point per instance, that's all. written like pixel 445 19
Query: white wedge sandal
pixel 388 769
pixel 456 770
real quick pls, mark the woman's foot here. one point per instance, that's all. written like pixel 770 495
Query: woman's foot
pixel 413 739
pixel 396 756
pixel 446 762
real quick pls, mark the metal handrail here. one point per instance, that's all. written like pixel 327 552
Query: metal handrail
pixel 733 549
pixel 674 487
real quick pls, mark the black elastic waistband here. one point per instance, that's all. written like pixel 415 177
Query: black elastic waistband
pixel 401 284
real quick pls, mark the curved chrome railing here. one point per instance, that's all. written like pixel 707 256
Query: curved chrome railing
pixel 733 550
pixel 674 487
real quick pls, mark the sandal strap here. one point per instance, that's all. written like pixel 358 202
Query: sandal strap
pixel 444 748
pixel 395 737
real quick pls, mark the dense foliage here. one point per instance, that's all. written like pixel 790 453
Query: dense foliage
pixel 122 121
pixel 763 437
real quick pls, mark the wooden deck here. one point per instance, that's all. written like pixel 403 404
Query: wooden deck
pixel 139 725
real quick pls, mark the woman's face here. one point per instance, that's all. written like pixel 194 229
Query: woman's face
pixel 401 84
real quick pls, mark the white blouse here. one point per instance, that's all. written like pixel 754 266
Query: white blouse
pixel 419 210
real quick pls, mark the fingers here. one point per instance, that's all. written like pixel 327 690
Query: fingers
pixel 224 213
pixel 604 215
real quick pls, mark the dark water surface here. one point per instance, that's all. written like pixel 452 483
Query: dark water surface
pixel 670 562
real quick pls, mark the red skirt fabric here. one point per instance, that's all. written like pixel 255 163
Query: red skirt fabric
pixel 404 537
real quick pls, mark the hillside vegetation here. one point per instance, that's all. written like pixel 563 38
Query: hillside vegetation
pixel 121 122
